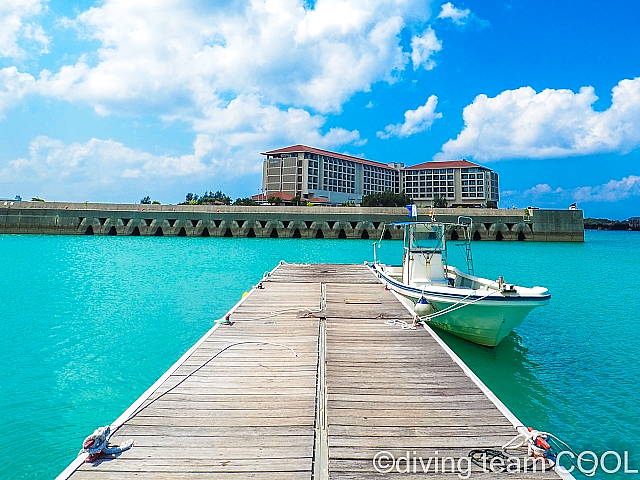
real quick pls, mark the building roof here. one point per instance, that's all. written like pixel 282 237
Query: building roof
pixel 304 148
pixel 446 164
pixel 317 200
pixel 264 197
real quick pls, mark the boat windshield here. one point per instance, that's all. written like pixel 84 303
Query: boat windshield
pixel 425 237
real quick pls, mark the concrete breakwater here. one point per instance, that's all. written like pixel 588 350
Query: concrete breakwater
pixel 276 222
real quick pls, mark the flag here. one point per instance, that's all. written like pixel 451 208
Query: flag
pixel 413 210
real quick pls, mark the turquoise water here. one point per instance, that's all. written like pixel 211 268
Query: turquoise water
pixel 89 323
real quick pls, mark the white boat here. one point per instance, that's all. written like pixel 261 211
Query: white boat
pixel 477 309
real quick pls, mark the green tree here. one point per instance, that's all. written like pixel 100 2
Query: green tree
pixel 297 201
pixel 386 199
pixel 146 200
pixel 219 196
pixel 439 202
pixel 274 200
pixel 245 202
pixel 492 204
pixel 156 202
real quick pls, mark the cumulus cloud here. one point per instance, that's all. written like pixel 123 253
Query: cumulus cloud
pixel 13 86
pixel 540 189
pixel 461 17
pixel 14 27
pixel 100 162
pixel 415 121
pixel 456 15
pixel 422 49
pixel 611 191
pixel 553 123
pixel 246 75
pixel 309 58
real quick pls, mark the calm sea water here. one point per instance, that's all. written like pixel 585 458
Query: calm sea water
pixel 89 323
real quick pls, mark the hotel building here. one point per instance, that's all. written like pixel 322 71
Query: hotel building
pixel 322 176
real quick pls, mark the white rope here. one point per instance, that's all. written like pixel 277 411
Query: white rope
pixel 311 311
pixel 404 325
pixel 451 308
pixel 529 438
pixel 98 442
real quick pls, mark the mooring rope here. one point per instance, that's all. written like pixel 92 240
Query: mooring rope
pixel 98 443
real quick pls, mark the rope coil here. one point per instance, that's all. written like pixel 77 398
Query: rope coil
pixel 98 443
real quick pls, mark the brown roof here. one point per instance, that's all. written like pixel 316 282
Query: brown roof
pixel 447 164
pixel 304 148
pixel 265 196
pixel 318 200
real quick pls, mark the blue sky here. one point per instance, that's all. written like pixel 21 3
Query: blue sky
pixel 115 100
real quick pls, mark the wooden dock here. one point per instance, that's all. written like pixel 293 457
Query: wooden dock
pixel 314 377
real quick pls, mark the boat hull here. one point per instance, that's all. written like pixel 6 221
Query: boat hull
pixel 484 321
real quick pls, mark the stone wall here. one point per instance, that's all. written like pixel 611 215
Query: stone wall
pixel 268 221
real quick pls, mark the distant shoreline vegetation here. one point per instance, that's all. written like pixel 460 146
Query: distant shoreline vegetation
pixel 606 224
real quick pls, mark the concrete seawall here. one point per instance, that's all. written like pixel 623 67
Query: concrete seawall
pixel 266 221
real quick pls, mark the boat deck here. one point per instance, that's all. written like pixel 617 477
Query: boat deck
pixel 356 385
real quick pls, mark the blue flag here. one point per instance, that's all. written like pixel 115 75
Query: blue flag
pixel 413 210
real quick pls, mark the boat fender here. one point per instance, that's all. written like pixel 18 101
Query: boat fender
pixel 423 307
pixel 245 294
pixel 540 441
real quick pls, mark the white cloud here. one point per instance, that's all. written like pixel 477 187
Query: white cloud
pixel 541 189
pixel 249 75
pixel 456 15
pixel 246 75
pixel 415 121
pixel 308 58
pixel 13 28
pixel 13 86
pixel 553 123
pixel 100 162
pixel 423 47
pixel 611 191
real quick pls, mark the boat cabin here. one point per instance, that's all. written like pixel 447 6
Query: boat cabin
pixel 425 256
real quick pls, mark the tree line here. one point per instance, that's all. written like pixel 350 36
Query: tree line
pixel 378 199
